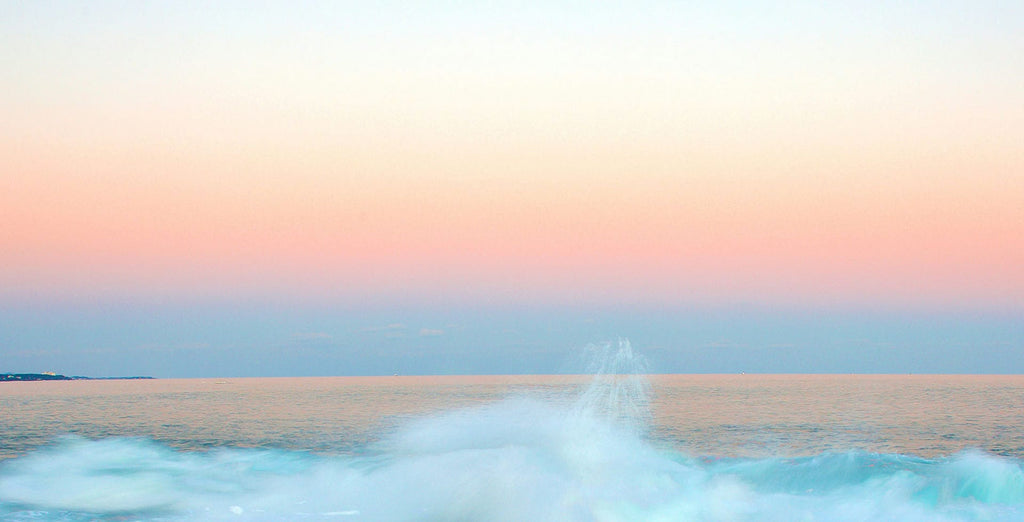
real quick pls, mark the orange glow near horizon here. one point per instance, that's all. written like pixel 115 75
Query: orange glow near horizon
pixel 631 239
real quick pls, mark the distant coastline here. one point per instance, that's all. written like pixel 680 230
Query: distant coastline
pixel 22 377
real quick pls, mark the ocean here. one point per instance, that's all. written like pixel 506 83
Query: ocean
pixel 616 445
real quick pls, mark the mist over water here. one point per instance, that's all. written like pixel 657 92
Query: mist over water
pixel 527 457
pixel 619 391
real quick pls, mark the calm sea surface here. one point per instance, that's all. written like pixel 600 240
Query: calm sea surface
pixel 664 447
pixel 723 415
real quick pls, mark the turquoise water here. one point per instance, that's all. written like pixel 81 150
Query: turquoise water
pixel 518 448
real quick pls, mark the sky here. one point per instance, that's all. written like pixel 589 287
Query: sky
pixel 346 188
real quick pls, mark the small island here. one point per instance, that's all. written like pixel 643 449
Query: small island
pixel 50 376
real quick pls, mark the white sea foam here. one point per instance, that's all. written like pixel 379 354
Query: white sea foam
pixel 545 466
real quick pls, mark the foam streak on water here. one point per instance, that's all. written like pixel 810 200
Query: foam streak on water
pixel 518 459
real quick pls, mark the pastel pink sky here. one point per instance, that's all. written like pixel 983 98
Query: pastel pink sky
pixel 570 156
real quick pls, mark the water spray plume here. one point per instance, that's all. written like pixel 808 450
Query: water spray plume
pixel 619 391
